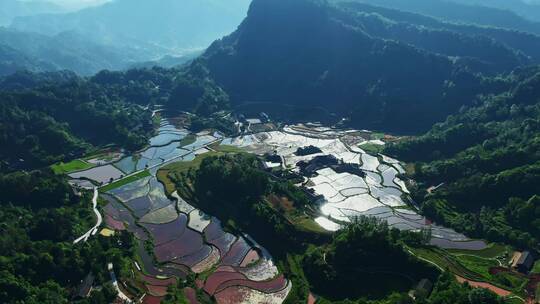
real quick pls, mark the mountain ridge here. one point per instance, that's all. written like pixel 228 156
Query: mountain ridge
pixel 311 53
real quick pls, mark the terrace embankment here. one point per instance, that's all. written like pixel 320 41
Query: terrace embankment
pixel 174 237
pixel 236 189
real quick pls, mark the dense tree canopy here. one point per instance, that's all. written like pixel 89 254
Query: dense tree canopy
pixel 38 261
pixel 488 158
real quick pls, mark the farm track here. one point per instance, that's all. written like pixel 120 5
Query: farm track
pixel 93 230
pixel 499 291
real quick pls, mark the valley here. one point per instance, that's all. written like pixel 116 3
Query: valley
pixel 270 152
pixel 153 198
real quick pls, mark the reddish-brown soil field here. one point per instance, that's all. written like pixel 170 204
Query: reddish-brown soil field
pixel 195 258
pixel 272 286
pixel 218 278
pixel 191 295
pixel 158 291
pixel 499 291
pixel 167 232
pixel 148 299
pixel 189 243
pixel 237 253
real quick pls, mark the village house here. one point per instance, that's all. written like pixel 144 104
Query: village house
pixel 522 261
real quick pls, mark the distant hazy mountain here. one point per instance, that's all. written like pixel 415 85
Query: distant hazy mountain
pixel 74 5
pixel 168 61
pixel 462 11
pixel 11 61
pixel 172 24
pixel 65 51
pixel 10 9
pixel 528 9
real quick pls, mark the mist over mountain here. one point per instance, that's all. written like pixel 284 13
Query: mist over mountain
pixel 65 51
pixel 10 9
pixel 177 26
pixel 74 5
pixel 164 33
pixel 527 8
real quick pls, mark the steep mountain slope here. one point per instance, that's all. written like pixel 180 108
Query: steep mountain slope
pixel 488 158
pixel 312 55
pixel 500 48
pixel 48 117
pixel 175 25
pixel 56 116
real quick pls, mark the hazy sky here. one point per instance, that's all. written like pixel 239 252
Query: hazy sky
pixel 73 4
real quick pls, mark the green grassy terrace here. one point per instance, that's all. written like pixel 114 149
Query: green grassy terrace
pixel 70 167
pixel 125 181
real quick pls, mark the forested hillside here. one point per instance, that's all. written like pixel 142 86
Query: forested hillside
pixel 458 11
pixel 487 157
pixel 11 61
pixel 50 117
pixel 490 48
pixel 378 67
pixel 40 218
pixel 45 124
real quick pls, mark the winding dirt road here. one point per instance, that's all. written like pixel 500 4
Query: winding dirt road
pixel 94 229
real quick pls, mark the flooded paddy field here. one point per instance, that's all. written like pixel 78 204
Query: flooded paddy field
pixel 175 239
pixel 184 239
pixel 378 189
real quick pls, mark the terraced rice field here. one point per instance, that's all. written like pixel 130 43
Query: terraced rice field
pixel 380 192
pixel 184 239
pixel 101 175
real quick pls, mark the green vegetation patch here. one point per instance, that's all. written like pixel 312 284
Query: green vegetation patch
pixel 228 149
pixel 536 267
pixel 513 301
pixel 372 148
pixel 308 224
pixel 179 168
pixel 125 181
pixel 188 140
pixel 477 264
pixel 377 135
pixel 511 281
pixel 72 166
pixel 445 261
